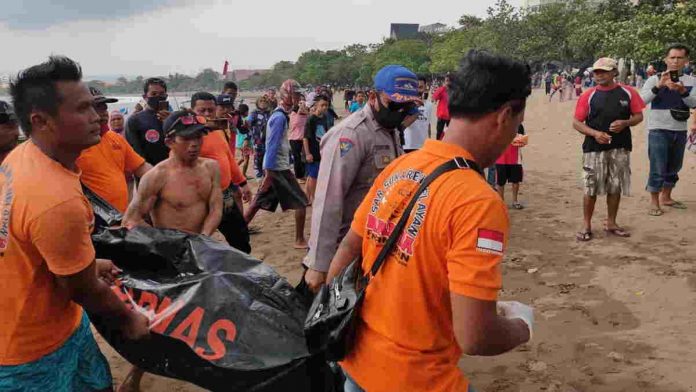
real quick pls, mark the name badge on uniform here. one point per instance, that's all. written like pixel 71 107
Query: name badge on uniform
pixel 383 156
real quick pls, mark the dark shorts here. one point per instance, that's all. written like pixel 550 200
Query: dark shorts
pixel 313 170
pixel 78 365
pixel 233 226
pixel 509 173
pixel 284 190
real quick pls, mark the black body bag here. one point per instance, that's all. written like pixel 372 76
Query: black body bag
pixel 330 323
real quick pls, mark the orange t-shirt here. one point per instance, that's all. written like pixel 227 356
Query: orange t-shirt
pixel 215 146
pixel 453 242
pixel 44 231
pixel 104 167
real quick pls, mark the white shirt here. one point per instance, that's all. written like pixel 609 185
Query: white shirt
pixel 417 133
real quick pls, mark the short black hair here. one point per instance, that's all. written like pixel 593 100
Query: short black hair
pixel 243 109
pixel 321 97
pixel 154 81
pixel 485 82
pixel 423 78
pixel 35 88
pixel 231 85
pixel 201 96
pixel 677 46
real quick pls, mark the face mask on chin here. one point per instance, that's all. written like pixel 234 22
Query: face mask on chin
pixel 387 118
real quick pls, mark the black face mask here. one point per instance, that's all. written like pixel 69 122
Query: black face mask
pixel 153 102
pixel 387 118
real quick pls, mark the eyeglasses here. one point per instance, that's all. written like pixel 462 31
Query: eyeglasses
pixel 400 106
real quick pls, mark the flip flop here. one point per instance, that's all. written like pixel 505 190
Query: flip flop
pixel 655 212
pixel 517 206
pixel 676 205
pixel 584 236
pixel 619 232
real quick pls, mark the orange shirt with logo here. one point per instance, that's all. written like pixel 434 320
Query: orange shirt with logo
pixel 44 231
pixel 452 243
pixel 215 146
pixel 105 165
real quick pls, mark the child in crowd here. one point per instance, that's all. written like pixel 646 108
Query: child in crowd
pixel 298 121
pixel 509 168
pixel 317 126
pixel 359 102
pixel 257 131
pixel 243 144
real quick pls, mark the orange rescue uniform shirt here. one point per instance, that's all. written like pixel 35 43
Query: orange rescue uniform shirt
pixel 44 231
pixel 105 165
pixel 452 243
pixel 215 146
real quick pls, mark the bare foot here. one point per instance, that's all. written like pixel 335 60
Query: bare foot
pixel 301 244
pixel 132 381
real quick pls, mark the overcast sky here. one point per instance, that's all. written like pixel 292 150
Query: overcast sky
pixel 157 37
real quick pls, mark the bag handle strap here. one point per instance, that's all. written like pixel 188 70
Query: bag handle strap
pixel 454 164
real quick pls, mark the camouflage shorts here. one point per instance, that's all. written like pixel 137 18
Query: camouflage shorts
pixel 607 172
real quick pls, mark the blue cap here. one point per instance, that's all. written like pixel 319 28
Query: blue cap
pixel 398 82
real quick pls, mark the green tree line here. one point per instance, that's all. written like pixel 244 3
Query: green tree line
pixel 573 33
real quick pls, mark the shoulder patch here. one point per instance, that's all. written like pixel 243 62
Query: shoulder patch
pixel 490 241
pixel 345 145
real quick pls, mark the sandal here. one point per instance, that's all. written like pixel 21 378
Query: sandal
pixel 618 231
pixel 655 212
pixel 676 205
pixel 584 236
pixel 517 205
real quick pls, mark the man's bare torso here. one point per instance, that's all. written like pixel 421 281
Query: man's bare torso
pixel 182 201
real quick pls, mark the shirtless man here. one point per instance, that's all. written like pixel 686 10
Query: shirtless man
pixel 181 192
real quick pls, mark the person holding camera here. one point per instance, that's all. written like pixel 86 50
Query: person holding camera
pixel 670 95
pixel 144 129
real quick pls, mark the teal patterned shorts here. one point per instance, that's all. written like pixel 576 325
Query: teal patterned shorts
pixel 78 365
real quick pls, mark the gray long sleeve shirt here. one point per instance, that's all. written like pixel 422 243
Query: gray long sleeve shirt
pixel 659 116
pixel 353 153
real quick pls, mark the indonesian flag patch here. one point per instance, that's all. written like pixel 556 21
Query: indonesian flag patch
pixel 490 241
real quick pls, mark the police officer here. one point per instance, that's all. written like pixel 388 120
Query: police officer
pixel 353 153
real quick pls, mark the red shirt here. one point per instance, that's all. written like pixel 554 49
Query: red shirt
pixel 443 103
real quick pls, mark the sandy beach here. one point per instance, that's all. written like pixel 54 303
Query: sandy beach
pixel 612 314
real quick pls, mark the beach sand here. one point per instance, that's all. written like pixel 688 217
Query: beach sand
pixel 612 315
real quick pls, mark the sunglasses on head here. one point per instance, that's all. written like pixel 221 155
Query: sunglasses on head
pixel 190 120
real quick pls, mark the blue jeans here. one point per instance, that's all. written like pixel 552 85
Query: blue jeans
pixel 351 386
pixel 666 153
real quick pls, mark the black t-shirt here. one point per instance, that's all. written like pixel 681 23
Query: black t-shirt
pixel 315 129
pixel 144 133
pixel 598 108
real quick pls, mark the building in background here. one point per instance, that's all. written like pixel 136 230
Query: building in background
pixel 404 30
pixel 435 28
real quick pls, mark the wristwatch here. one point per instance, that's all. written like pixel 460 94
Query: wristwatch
pixel 685 94
pixel 655 90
